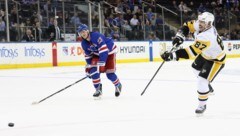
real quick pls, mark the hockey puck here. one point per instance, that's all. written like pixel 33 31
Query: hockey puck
pixel 11 124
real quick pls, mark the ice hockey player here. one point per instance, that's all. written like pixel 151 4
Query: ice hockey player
pixel 208 51
pixel 190 28
pixel 100 56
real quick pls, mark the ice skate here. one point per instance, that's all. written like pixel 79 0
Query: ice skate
pixel 200 110
pixel 211 90
pixel 98 93
pixel 118 90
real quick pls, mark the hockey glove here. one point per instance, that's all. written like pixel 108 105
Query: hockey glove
pixel 178 40
pixel 169 56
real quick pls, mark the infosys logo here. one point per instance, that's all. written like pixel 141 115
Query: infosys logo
pixel 34 52
pixel 8 53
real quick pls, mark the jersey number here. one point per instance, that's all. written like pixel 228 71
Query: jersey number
pixel 200 46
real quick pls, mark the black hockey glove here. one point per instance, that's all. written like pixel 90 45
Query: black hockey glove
pixel 169 56
pixel 178 39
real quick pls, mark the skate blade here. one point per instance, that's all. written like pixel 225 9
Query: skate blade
pixel 98 98
pixel 199 115
pixel 211 94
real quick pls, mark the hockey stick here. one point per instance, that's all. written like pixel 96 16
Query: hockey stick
pixel 156 72
pixel 35 103
pixel 152 78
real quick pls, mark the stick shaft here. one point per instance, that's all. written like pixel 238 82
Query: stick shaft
pixel 156 72
pixel 61 90
pixel 152 78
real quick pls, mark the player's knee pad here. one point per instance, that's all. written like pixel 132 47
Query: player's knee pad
pixel 202 85
pixel 196 72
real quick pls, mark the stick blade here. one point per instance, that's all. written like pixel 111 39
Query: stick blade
pixel 35 103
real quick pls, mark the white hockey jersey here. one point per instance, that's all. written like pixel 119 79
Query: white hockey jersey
pixel 207 43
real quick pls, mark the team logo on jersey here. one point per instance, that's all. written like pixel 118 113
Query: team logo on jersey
pixel 229 46
pixel 100 40
pixel 204 71
pixel 194 63
pixel 65 50
pixel 93 47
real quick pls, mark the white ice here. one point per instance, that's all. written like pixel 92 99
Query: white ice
pixel 166 109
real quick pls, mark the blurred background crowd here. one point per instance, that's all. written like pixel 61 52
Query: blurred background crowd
pixel 123 20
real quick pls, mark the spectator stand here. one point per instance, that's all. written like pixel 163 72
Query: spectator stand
pixel 112 16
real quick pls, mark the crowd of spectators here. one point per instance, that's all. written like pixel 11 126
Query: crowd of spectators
pixel 226 14
pixel 136 20
pixel 47 25
pixel 124 20
pixel 135 17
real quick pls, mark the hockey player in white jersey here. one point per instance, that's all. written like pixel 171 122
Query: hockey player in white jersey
pixel 208 51
pixel 189 28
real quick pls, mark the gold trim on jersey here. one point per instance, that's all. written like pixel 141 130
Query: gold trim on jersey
pixel 214 70
pixel 221 55
pixel 189 52
pixel 220 58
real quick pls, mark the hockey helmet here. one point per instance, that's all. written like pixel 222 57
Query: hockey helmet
pixel 206 17
pixel 82 27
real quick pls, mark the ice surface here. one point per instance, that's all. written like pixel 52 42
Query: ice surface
pixel 166 108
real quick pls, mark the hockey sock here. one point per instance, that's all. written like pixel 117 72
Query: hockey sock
pixel 202 97
pixel 113 77
pixel 95 77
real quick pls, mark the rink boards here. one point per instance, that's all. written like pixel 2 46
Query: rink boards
pixel 28 55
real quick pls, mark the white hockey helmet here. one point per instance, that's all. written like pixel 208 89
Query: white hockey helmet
pixel 207 17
